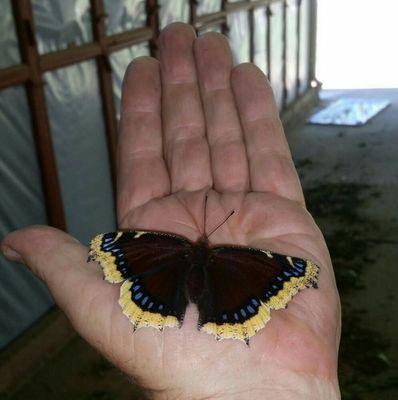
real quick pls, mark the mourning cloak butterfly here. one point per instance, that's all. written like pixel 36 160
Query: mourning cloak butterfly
pixel 233 287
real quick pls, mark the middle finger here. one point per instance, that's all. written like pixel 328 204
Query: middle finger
pixel 185 146
pixel 224 133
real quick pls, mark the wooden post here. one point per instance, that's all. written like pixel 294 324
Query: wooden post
pixel 152 12
pixel 24 23
pixel 105 82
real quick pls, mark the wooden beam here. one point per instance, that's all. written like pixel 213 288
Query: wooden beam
pixel 24 23
pixel 312 39
pixel 13 76
pixel 152 22
pixel 70 56
pixel 251 34
pixel 105 82
pixel 125 39
pixel 75 55
pixel 193 4
pixel 269 15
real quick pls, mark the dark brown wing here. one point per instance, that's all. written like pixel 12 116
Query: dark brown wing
pixel 243 284
pixel 153 266
pixel 124 255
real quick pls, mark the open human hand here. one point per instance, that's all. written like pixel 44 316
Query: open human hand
pixel 193 124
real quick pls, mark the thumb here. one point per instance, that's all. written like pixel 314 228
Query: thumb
pixel 56 258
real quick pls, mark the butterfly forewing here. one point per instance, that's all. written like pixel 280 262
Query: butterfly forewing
pixel 126 254
pixel 152 266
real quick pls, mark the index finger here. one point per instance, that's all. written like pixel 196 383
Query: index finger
pixel 142 171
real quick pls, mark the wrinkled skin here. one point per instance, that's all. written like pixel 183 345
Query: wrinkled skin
pixel 193 124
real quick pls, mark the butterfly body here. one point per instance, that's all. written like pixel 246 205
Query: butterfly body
pixel 233 287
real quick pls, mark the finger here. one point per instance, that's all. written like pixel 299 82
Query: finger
pixel 224 133
pixel 270 162
pixel 142 171
pixel 185 145
pixel 60 262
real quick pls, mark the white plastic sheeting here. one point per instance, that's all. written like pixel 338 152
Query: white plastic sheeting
pixel 260 38
pixel 291 49
pixel 22 297
pixel 9 54
pixel 60 23
pixel 119 61
pixel 277 52
pixel 172 11
pixel 239 35
pixel 78 133
pixel 208 7
pixel 124 15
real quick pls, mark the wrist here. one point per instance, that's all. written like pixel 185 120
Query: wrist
pixel 294 386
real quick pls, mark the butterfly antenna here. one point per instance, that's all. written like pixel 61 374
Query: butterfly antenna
pixel 222 223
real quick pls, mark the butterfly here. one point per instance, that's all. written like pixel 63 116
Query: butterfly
pixel 234 287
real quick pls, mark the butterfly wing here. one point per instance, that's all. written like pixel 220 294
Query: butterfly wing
pixel 153 267
pixel 244 284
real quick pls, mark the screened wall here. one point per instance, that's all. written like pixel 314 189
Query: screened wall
pixel 61 68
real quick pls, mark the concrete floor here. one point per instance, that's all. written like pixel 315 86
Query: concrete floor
pixel 350 176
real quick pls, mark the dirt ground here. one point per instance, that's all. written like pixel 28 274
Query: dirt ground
pixel 350 178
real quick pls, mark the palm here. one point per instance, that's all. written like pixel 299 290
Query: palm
pixel 261 220
pixel 189 124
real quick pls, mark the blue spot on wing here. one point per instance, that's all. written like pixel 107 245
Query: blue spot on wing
pixel 255 302
pixel 137 296
pixel 251 309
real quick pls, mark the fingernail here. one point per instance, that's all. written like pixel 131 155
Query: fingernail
pixel 11 254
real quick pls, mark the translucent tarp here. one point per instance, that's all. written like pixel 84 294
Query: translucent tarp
pixel 260 38
pixel 304 66
pixel 207 7
pixel 119 61
pixel 239 35
pixel 124 15
pixel 172 11
pixel 23 297
pixel 9 54
pixel 291 49
pixel 349 111
pixel 277 52
pixel 61 24
pixel 77 126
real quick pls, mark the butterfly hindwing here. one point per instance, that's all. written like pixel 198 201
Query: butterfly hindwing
pixel 152 266
pixel 157 299
pixel 244 284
